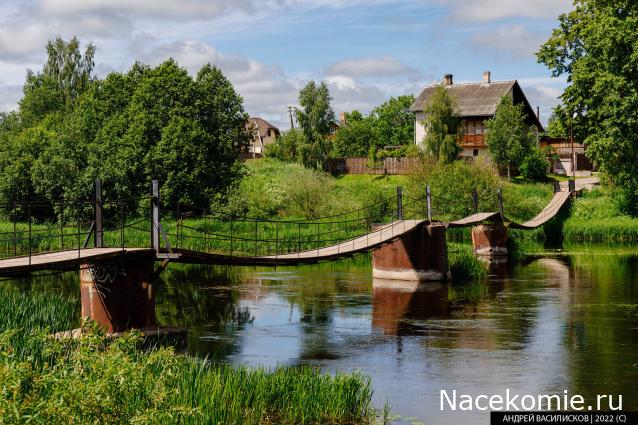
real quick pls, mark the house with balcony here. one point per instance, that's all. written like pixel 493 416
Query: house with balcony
pixel 476 103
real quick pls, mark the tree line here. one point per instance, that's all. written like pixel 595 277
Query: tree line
pixel 126 129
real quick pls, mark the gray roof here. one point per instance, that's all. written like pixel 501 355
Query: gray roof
pixel 261 125
pixel 473 99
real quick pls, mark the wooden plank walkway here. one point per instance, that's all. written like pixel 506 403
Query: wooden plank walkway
pixel 550 210
pixel 61 260
pixel 365 243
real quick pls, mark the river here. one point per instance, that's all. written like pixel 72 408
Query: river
pixel 565 321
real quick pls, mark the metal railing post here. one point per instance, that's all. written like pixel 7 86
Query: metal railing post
pixel 29 218
pixel 231 235
pixel 99 225
pixel 62 225
pixel 399 203
pixel 122 225
pixel 428 197
pixel 155 216
pixel 572 186
pixel 15 233
pixel 79 236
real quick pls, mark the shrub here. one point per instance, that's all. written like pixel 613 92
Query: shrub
pixel 271 188
pixel 534 166
pixel 451 186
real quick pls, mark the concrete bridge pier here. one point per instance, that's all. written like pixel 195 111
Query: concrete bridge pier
pixel 490 240
pixel 420 255
pixel 118 295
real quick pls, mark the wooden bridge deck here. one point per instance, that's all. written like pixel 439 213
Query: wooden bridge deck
pixel 61 260
pixel 380 236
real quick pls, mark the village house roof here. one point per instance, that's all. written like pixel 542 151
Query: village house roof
pixel 478 99
pixel 262 126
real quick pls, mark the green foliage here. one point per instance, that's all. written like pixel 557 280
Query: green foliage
pixel 449 149
pixel 535 165
pixel 286 147
pixel 509 139
pixel 357 136
pixel 271 188
pixel 601 215
pixel 315 118
pixel 125 129
pixel 556 126
pixel 451 187
pixel 442 126
pixel 389 124
pixel 595 47
pixel 464 264
pixel 394 122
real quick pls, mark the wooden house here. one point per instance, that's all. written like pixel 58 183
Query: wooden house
pixel 476 103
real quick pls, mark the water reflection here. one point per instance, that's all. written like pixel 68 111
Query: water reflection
pixel 398 306
pixel 545 325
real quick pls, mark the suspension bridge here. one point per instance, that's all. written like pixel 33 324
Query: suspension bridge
pixel 117 251
pixel 98 230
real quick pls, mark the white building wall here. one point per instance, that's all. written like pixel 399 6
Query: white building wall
pixel 419 129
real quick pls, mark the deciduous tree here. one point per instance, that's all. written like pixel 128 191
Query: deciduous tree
pixel 441 125
pixel 594 46
pixel 509 140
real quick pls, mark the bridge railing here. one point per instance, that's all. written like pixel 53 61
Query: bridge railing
pixel 29 228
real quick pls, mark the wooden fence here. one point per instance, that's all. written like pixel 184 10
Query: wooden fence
pixel 362 166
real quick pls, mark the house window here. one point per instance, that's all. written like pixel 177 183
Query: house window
pixel 475 152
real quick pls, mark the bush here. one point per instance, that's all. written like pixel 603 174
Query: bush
pixel 271 188
pixel 451 187
pixel 534 166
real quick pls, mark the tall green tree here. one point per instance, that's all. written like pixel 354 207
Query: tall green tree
pixel 66 74
pixel 556 125
pixel 356 136
pixel 441 125
pixel 315 117
pixel 595 46
pixel 509 139
pixel 127 129
pixel 394 122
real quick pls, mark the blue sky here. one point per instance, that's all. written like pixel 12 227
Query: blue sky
pixel 367 51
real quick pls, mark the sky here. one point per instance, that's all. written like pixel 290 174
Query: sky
pixel 366 50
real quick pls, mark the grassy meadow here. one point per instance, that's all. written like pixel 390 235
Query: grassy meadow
pixel 100 380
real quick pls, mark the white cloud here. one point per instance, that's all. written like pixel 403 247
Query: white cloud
pixel 517 41
pixel 492 10
pixel 544 93
pixel 9 96
pixel 266 90
pixel 166 9
pixel 383 66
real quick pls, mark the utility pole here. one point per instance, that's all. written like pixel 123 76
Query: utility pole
pixel 292 124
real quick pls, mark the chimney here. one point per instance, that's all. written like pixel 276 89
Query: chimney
pixel 487 77
pixel 342 117
pixel 448 80
pixel 538 113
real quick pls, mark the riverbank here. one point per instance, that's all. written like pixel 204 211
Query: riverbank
pixel 598 216
pixel 96 379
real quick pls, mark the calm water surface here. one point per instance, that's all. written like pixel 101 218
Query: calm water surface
pixel 549 324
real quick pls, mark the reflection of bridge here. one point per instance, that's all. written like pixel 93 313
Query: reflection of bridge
pixel 406 235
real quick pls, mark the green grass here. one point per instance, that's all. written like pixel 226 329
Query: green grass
pixel 597 216
pixel 96 379
pixel 464 265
